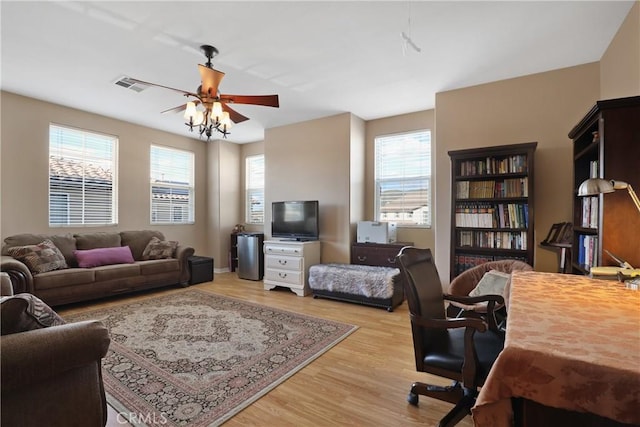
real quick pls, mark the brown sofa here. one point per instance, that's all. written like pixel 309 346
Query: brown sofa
pixel 73 283
pixel 51 371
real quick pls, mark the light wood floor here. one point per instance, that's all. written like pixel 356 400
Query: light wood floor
pixel 362 381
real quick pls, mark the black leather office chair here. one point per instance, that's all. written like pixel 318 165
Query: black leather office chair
pixel 462 349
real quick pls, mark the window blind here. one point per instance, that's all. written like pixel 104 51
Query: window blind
pixel 172 186
pixel 254 189
pixel 403 178
pixel 82 177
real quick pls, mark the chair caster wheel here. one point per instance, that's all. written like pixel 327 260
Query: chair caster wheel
pixel 412 398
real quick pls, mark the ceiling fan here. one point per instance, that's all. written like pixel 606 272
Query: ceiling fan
pixel 208 110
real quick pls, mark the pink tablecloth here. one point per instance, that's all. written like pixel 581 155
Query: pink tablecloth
pixel 572 343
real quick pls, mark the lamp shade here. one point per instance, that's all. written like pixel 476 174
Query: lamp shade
pixel 190 111
pixel 594 186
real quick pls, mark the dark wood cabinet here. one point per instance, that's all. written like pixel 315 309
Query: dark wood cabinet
pixel 492 206
pixel 233 252
pixel 606 144
pixel 380 254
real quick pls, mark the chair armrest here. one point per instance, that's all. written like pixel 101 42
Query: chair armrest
pixel 458 322
pixel 55 350
pixel 496 299
pixel 471 325
pixel 19 273
pixel 474 304
pixel 182 254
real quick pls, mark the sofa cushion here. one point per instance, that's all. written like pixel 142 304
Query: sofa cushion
pixel 26 312
pixel 97 240
pixel 104 256
pixel 39 258
pixel 138 240
pixel 65 243
pixel 159 266
pixel 159 249
pixel 118 271
pixel 62 278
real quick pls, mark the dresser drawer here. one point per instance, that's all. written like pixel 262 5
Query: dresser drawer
pixel 283 262
pixel 383 257
pixel 284 250
pixel 380 254
pixel 284 276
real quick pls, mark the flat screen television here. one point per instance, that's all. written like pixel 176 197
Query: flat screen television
pixel 295 220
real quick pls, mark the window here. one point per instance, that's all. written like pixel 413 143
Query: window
pixel 403 178
pixel 254 189
pixel 172 186
pixel 82 177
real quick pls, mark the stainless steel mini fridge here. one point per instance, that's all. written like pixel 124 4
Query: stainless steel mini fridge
pixel 250 256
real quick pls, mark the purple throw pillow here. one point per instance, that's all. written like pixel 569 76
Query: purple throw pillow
pixel 103 256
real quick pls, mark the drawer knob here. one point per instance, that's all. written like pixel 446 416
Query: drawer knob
pixel 282 275
pixel 282 261
pixel 362 258
pixel 391 260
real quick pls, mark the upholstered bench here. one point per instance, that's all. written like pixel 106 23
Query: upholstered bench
pixel 362 284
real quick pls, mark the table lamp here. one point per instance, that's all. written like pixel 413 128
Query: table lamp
pixel 594 186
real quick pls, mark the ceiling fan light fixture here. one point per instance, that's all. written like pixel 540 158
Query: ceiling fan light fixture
pixel 209 112
pixel 217 110
pixel 190 111
pixel 200 118
pixel 226 120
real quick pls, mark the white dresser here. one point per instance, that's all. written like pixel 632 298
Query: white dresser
pixel 286 264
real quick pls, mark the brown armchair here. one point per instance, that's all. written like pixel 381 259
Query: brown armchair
pixel 464 283
pixel 51 375
pixel 461 349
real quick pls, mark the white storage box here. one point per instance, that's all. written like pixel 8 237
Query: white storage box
pixel 376 232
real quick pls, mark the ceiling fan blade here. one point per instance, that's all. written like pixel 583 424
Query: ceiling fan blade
pixel 211 79
pixel 233 114
pixel 266 100
pixel 175 109
pixel 184 92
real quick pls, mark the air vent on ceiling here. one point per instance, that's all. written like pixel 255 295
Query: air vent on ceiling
pixel 128 83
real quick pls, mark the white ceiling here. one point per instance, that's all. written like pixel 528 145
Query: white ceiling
pixel 321 58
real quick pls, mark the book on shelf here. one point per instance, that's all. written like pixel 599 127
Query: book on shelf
pixel 492 239
pixel 587 250
pixel 590 211
pixel 494 165
pixel 490 189
pixel 464 262
pixel 593 169
pixel 491 215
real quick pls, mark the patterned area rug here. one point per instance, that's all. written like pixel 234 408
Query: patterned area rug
pixel 196 359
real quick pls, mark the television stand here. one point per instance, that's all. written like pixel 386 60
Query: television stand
pixel 287 264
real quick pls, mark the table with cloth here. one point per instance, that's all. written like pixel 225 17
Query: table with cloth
pixel 571 343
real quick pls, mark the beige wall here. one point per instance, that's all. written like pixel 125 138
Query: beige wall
pixel 226 206
pixel 357 167
pixel 421 237
pixel 620 64
pixel 330 159
pixel 541 107
pixel 311 161
pixel 247 150
pixel 24 171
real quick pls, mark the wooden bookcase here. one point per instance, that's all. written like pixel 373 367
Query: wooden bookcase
pixel 492 209
pixel 606 144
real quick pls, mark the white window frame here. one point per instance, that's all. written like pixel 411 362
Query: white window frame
pixel 80 163
pixel 172 173
pixel 404 161
pixel 254 189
